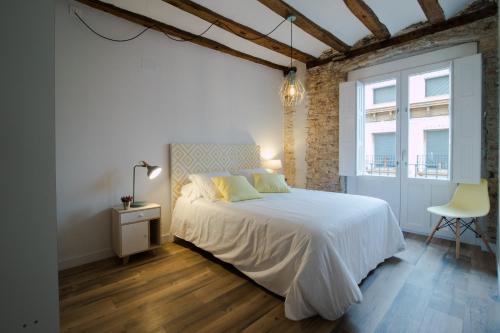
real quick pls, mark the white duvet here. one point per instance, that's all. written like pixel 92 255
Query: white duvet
pixel 311 247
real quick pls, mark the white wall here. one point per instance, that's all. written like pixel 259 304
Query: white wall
pixel 28 279
pixel 118 103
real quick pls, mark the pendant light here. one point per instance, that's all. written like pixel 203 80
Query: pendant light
pixel 292 91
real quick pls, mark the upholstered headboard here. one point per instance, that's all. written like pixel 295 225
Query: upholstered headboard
pixel 186 159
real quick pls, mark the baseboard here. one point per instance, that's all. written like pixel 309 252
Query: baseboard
pixel 442 236
pixel 476 241
pixel 167 238
pixel 492 245
pixel 85 259
pixel 98 255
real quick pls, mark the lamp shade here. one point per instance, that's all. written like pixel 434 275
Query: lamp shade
pixel 292 91
pixel 153 171
pixel 272 164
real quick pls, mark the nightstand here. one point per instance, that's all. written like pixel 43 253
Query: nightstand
pixel 136 230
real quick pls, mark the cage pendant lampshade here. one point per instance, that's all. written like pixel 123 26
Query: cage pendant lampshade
pixel 292 91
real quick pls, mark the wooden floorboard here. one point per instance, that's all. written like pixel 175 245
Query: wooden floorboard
pixel 182 289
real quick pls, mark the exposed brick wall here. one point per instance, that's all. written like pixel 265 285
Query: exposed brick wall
pixel 323 87
pixel 289 140
pixel 322 152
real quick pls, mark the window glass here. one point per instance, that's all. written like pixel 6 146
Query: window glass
pixel 384 95
pixel 428 125
pixel 378 130
pixel 436 149
pixel 437 86
pixel 385 148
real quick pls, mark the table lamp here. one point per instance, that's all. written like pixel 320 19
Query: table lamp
pixel 152 172
pixel 273 165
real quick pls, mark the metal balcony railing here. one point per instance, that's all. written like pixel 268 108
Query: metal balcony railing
pixel 427 166
pixel 380 165
pixel 432 166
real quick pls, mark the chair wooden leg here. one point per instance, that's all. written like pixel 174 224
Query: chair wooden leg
pixel 436 228
pixel 480 232
pixel 457 238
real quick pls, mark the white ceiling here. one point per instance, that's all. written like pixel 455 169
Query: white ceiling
pixel 397 15
pixel 332 15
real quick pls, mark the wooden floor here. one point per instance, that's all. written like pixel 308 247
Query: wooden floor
pixel 424 289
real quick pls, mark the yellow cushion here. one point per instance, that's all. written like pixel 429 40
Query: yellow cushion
pixel 235 188
pixel 270 183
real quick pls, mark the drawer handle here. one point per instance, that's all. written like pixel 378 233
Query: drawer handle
pixel 140 215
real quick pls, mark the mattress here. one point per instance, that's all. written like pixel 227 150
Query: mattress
pixel 311 247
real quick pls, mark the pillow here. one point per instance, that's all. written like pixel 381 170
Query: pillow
pixel 190 192
pixel 270 183
pixel 248 173
pixel 235 188
pixel 203 181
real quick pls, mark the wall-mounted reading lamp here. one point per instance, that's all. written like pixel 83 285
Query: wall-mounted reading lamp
pixel 152 172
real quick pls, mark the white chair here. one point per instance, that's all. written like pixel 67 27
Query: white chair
pixel 469 202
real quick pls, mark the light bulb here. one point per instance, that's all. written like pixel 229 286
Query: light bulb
pixel 291 91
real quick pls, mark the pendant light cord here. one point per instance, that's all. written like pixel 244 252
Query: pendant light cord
pixel 291 41
pixel 248 38
pixel 109 38
pixel 174 38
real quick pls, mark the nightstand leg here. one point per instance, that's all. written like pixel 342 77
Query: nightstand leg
pixel 125 260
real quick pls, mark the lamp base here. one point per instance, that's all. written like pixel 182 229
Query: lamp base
pixel 136 204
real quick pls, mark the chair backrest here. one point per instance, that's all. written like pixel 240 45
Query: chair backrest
pixel 472 197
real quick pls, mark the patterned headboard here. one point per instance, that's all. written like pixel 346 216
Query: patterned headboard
pixel 186 159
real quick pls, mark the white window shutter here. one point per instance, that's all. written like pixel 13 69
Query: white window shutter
pixel 347 128
pixel 466 119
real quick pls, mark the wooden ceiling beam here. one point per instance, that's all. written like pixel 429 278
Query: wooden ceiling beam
pixel 489 10
pixel 432 10
pixel 366 15
pixel 239 29
pixel 284 10
pixel 173 31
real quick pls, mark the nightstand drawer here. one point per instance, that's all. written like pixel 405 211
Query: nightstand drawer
pixel 141 215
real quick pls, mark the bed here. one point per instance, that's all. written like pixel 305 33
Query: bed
pixel 311 247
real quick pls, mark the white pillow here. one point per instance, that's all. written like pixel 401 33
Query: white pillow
pixel 203 181
pixel 248 173
pixel 190 192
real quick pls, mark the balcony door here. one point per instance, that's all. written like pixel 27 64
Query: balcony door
pixel 426 143
pixel 410 136
pixel 378 140
pixel 404 142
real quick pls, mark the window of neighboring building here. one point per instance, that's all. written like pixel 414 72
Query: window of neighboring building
pixel 437 86
pixel 437 149
pixel 385 149
pixel 384 95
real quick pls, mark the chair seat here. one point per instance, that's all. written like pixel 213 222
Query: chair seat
pixel 456 212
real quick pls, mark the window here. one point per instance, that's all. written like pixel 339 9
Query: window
pixel 384 95
pixel 385 148
pixel 436 150
pixel 428 125
pixel 378 129
pixel 437 86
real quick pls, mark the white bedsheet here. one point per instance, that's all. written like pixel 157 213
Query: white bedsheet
pixel 311 247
